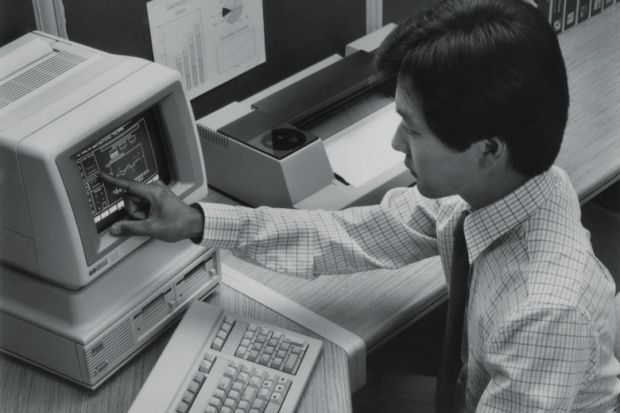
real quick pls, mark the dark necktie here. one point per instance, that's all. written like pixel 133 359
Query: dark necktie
pixel 450 364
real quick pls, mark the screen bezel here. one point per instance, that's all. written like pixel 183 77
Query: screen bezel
pixel 97 245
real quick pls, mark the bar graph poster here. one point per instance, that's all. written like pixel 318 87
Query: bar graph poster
pixel 208 41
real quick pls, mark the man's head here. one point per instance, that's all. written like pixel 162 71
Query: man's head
pixel 481 76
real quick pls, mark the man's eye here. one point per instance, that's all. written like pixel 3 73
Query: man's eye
pixel 409 130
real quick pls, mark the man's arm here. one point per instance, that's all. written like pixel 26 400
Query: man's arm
pixel 399 231
pixel 305 243
pixel 539 360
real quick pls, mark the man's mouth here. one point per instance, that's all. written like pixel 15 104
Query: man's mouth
pixel 409 166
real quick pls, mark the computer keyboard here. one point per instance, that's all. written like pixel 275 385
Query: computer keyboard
pixel 216 362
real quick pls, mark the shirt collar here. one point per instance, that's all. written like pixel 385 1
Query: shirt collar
pixel 487 224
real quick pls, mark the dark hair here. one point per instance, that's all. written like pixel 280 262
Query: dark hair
pixel 482 69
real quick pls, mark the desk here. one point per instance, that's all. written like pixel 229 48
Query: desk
pixel 375 305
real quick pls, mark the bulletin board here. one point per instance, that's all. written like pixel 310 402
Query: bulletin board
pixel 298 33
pixel 16 19
pixel 394 11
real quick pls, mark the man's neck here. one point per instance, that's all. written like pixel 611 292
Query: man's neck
pixel 494 187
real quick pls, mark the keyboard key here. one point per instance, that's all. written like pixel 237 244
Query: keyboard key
pixel 235 395
pixel 216 402
pixel 205 366
pixel 276 398
pixel 237 386
pixel 277 363
pixel 264 359
pixel 231 371
pixel 230 402
pixel 193 387
pixel 218 343
pixel 297 341
pixel 256 381
pixel 222 334
pixel 199 378
pixel 188 397
pixel 219 394
pixel 259 404
pixel 225 384
pixel 241 352
pixel 249 394
pixel 228 324
pixel 253 355
pixel 291 362
pixel 244 378
pixel 243 405
pixel 211 409
pixel 272 408
pixel 264 394
pixel 269 384
pixel 227 409
pixel 183 407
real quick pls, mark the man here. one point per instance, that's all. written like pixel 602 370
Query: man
pixel 483 97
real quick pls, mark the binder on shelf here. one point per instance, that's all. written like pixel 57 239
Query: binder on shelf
pixel 570 15
pixel 564 14
pixel 597 6
pixel 557 15
pixel 584 10
pixel 544 6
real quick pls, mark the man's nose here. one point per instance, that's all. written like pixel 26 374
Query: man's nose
pixel 399 142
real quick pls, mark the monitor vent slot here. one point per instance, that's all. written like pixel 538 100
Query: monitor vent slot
pixel 212 136
pixel 107 352
pixel 38 76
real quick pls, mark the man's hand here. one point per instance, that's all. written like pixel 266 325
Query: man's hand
pixel 155 211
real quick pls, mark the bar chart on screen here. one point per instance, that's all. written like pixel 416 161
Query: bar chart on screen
pixel 208 42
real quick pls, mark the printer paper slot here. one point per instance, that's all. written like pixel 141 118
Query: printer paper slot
pixel 363 151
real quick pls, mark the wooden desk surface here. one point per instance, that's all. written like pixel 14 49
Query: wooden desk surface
pixel 591 150
pixel 27 389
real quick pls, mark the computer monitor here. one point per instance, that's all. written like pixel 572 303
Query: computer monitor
pixel 78 112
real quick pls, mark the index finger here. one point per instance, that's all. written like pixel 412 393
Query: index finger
pixel 133 187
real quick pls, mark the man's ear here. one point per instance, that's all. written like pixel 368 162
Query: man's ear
pixel 491 151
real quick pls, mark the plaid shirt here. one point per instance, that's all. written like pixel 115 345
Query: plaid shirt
pixel 540 317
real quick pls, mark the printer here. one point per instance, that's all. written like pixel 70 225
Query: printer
pixel 317 140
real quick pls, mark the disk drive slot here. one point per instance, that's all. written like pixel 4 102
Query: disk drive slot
pixel 193 280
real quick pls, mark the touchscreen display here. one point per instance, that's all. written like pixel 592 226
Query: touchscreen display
pixel 133 150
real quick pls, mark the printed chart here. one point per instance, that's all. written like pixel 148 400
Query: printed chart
pixel 208 42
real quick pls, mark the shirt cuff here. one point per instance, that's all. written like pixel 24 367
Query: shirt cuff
pixel 221 225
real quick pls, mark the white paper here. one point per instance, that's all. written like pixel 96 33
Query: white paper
pixel 208 41
pixel 363 151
